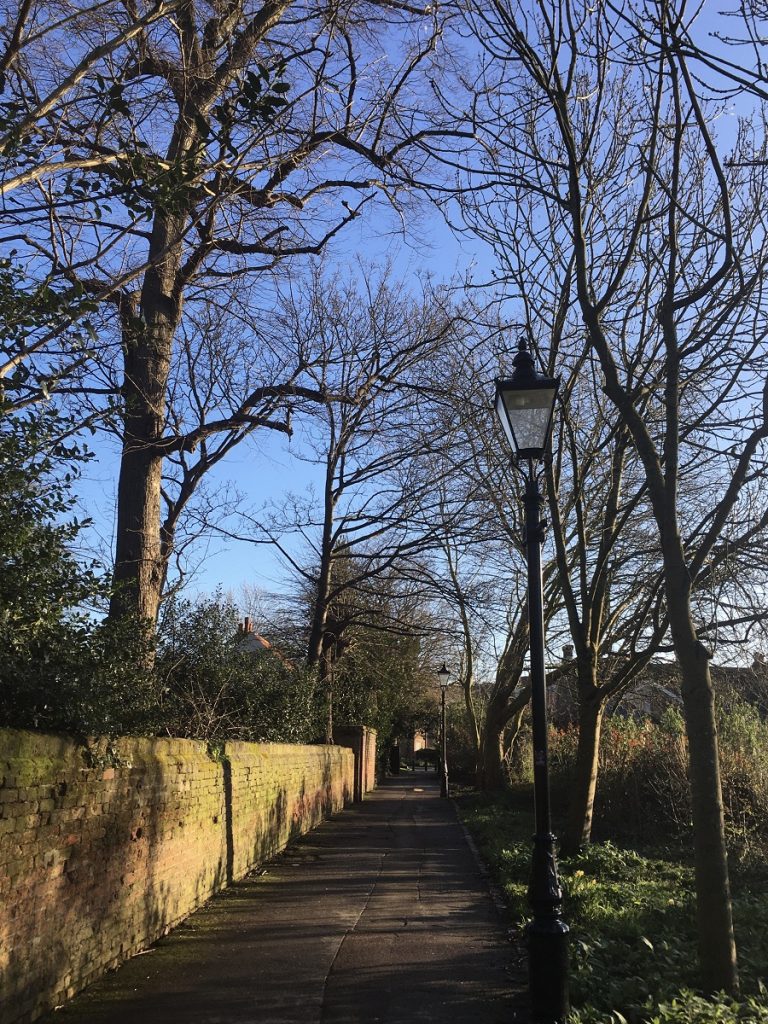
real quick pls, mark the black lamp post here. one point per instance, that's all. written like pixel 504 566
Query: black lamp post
pixel 524 404
pixel 445 681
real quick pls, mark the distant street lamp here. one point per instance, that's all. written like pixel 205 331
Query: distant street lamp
pixel 445 681
pixel 525 404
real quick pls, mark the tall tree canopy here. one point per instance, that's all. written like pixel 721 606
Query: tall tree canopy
pixel 179 151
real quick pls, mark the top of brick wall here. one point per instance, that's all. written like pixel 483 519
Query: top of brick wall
pixel 36 755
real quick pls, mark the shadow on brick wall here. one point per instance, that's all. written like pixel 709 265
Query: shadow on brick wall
pixel 99 881
pixel 120 850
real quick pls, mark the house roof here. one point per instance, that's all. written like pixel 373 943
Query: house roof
pixel 254 643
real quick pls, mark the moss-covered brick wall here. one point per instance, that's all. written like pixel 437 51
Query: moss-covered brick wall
pixel 105 847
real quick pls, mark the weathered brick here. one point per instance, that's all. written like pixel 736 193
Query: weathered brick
pixel 80 844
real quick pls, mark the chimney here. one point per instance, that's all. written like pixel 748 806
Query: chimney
pixel 247 624
pixel 568 652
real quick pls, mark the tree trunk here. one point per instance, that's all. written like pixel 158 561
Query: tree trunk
pixel 319 649
pixel 325 574
pixel 491 774
pixel 139 562
pixel 492 771
pixel 317 630
pixel 326 668
pixel 578 829
pixel 139 571
pixel 717 947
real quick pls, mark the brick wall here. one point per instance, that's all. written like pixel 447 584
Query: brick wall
pixel 104 848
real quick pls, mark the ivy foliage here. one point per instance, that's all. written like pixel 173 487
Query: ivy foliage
pixel 215 686
pixel 62 668
pixel 632 919
pixel 30 313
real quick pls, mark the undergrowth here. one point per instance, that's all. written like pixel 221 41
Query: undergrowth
pixel 631 915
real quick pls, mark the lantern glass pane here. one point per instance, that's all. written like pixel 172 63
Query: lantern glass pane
pixel 501 412
pixel 529 413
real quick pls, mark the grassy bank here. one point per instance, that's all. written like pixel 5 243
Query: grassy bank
pixel 631 914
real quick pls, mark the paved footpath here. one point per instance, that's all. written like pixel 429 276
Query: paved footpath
pixel 382 914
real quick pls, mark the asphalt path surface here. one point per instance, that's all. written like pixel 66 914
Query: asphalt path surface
pixel 382 914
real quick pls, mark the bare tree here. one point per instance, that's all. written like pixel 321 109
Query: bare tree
pixel 609 574
pixel 667 244
pixel 474 572
pixel 610 581
pixel 371 349
pixel 183 147
pixel 469 578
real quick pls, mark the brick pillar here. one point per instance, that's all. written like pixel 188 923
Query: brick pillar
pixel 362 741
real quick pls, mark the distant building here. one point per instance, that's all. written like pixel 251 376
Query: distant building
pixel 253 643
pixel 413 744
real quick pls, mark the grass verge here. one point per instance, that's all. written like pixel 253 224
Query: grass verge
pixel 631 914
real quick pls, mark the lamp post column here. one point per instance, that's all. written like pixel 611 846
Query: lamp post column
pixel 443 746
pixel 444 676
pixel 547 933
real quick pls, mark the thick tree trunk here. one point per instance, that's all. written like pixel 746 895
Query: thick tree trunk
pixel 319 614
pixel 321 647
pixel 326 668
pixel 717 947
pixel 140 562
pixel 491 774
pixel 140 566
pixel 139 570
pixel 578 830
pixel 319 619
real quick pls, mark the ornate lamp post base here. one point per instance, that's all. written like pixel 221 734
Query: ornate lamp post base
pixel 547 937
